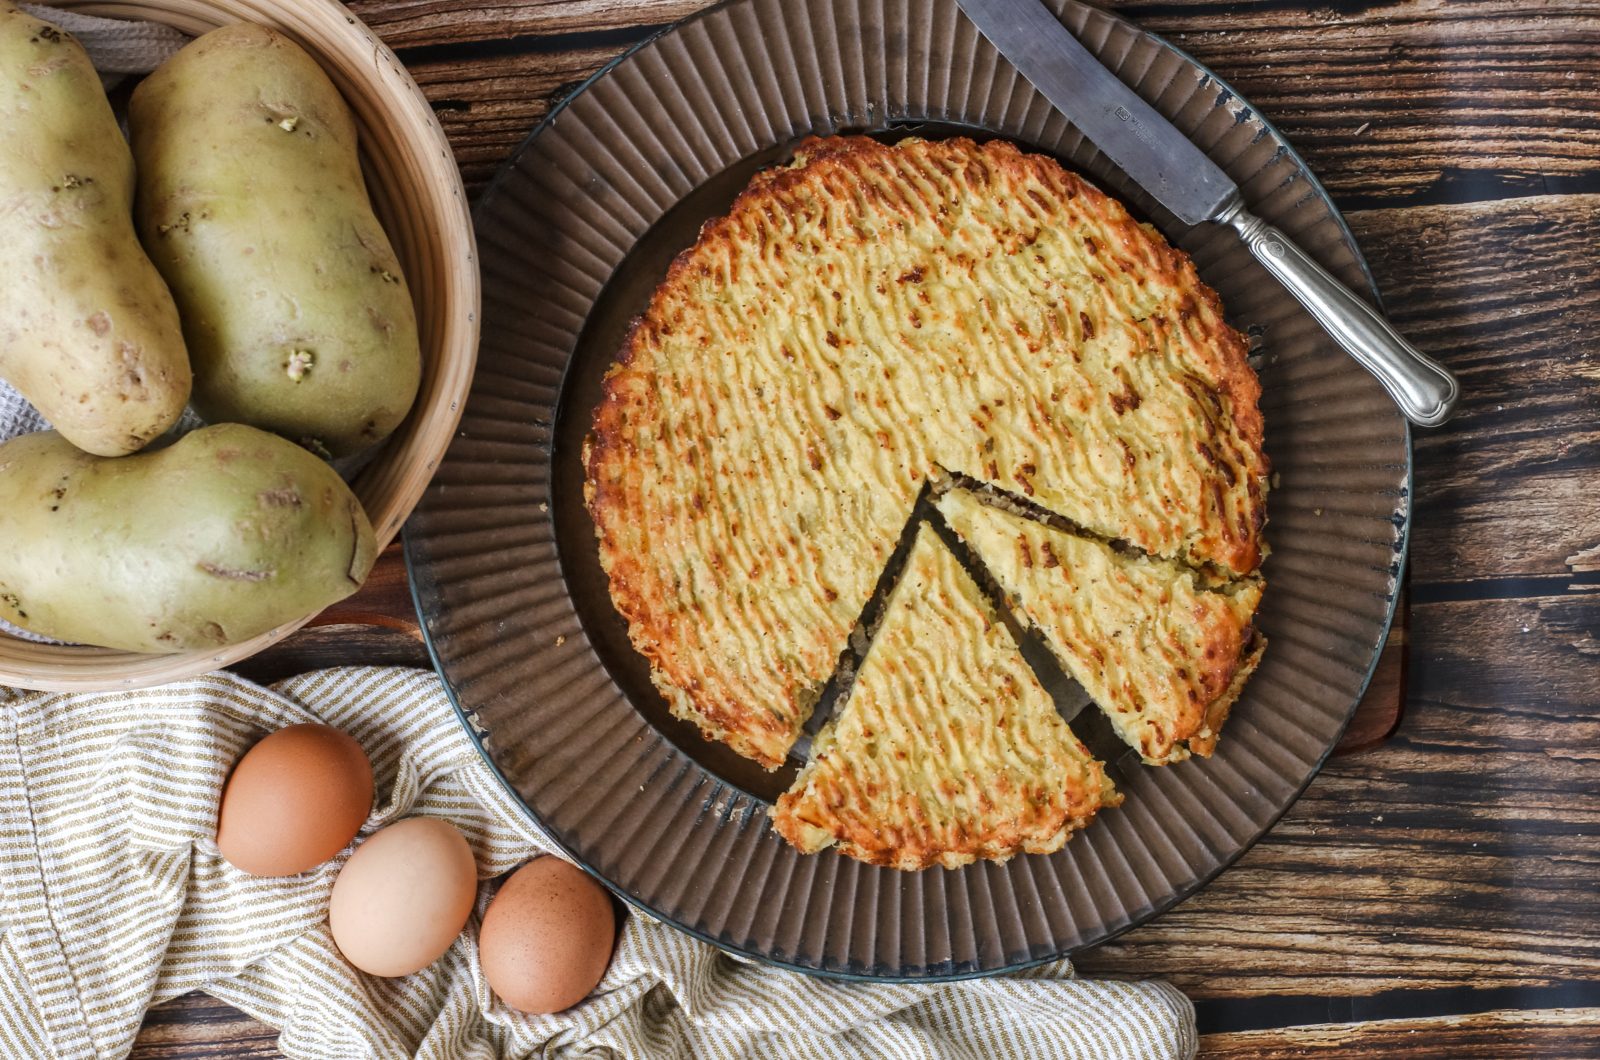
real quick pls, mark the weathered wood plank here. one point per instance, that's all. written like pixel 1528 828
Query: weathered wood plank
pixel 487 106
pixel 1387 101
pixel 319 647
pixel 1506 294
pixel 413 23
pixel 1569 1033
pixel 196 1026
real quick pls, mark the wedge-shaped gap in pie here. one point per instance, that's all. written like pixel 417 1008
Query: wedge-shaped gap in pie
pixel 948 749
pixel 837 688
pixel 1069 696
pixel 1073 702
pixel 1162 652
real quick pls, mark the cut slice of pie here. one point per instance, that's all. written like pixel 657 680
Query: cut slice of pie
pixel 1161 652
pixel 948 749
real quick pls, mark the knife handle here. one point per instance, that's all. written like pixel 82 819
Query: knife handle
pixel 1425 391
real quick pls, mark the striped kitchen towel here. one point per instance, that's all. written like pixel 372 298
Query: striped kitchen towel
pixel 115 899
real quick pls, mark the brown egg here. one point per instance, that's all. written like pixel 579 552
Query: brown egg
pixel 403 896
pixel 547 937
pixel 295 800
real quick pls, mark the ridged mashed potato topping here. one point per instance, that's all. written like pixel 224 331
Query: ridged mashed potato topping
pixel 948 749
pixel 1160 652
pixel 856 320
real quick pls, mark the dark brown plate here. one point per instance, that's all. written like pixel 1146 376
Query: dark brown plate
pixel 574 235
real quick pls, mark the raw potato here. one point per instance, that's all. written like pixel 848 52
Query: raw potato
pixel 224 534
pixel 88 332
pixel 251 203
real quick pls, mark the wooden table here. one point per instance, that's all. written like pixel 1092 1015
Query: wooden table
pixel 1436 893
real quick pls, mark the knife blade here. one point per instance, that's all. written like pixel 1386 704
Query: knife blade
pixel 1168 165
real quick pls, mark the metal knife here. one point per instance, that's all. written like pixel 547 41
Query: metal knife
pixel 1170 167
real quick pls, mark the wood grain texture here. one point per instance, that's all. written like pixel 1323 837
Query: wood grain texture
pixel 1504 293
pixel 1569 1033
pixel 488 104
pixel 413 23
pixel 1399 101
pixel 1402 100
pixel 195 1026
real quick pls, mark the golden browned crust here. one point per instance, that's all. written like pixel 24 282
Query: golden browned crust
pixel 948 749
pixel 855 320
pixel 1204 742
pixel 1156 648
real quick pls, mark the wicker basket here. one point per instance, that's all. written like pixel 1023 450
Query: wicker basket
pixel 417 192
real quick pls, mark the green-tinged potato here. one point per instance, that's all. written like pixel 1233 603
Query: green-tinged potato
pixel 88 331
pixel 251 203
pixel 222 535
